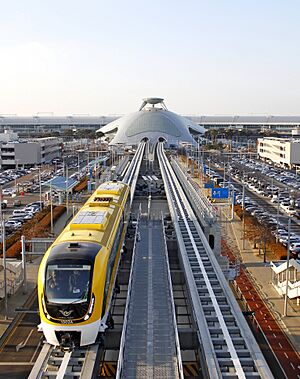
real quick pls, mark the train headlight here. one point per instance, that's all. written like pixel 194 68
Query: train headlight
pixel 91 307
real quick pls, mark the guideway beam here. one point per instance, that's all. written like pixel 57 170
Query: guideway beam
pixel 222 329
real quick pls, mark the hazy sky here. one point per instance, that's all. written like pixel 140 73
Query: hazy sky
pixel 103 56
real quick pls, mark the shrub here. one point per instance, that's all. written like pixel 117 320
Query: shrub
pixel 81 186
pixel 38 226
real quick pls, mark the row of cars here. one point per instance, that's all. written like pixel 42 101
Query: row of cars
pixel 19 216
pixel 276 227
pixel 287 200
pixel 268 221
pixel 10 175
pixel 286 177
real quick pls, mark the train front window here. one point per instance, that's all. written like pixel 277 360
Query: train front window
pixel 67 283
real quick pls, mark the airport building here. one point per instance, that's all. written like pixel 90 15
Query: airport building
pixel 41 124
pixel 19 153
pixel 152 122
pixel 282 151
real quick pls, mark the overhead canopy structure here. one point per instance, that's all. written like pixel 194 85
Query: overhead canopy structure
pixel 61 183
pixel 153 122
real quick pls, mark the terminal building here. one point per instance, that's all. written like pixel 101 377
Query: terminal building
pixel 15 152
pixel 152 122
pixel 281 151
pixel 41 124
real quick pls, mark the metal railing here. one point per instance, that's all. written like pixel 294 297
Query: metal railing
pixel 125 324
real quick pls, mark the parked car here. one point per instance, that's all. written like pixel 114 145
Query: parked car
pixel 17 203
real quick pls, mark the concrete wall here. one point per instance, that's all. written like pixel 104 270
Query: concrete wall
pixel 295 153
pixel 27 153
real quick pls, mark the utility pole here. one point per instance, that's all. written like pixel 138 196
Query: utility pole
pixel 40 186
pixel 277 216
pixel 285 313
pixel 51 207
pixel 243 214
pixel 232 200
pixel 4 262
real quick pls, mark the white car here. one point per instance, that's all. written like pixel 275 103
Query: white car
pixel 13 224
pixel 290 211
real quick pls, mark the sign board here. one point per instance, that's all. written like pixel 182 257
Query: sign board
pixel 219 193
pixel 209 185
pixel 204 168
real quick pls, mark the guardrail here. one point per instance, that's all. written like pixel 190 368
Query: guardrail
pixel 123 336
pixel 179 360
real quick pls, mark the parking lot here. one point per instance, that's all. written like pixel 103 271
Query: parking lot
pixel 26 191
pixel 271 195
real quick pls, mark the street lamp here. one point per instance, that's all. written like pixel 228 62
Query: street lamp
pixel 40 185
pixel 51 207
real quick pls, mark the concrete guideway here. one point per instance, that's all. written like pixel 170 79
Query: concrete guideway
pixel 152 347
pixel 229 347
pixel 52 362
pixel 258 274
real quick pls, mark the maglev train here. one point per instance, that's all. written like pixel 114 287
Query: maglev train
pixel 77 275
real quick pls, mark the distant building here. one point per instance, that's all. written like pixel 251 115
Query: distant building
pixel 8 136
pixel 282 151
pixel 41 124
pixel 38 125
pixel 21 153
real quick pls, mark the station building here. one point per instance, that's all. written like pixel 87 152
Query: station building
pixel 152 122
pixel 282 151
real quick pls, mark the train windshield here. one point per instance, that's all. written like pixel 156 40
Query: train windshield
pixel 67 283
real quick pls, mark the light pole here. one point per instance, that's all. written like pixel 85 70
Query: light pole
pixel 67 194
pixel 287 269
pixel 40 185
pixel 4 264
pixel 51 207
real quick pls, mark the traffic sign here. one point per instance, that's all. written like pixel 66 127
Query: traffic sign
pixel 209 185
pixel 219 193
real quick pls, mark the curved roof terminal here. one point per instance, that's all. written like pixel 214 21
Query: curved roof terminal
pixel 153 122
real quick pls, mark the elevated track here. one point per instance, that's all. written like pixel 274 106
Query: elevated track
pixel 52 363
pixel 229 348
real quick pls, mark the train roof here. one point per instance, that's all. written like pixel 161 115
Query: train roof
pixel 96 219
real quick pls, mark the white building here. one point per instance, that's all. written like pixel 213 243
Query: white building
pixel 282 151
pixel 153 122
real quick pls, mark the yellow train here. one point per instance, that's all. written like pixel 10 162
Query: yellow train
pixel 77 274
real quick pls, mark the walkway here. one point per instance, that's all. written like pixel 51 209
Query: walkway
pixel 150 340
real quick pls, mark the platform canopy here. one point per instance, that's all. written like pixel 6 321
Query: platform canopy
pixel 61 183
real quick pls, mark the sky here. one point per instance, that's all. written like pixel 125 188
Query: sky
pixel 101 57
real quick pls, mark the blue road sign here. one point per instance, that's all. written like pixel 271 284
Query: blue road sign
pixel 204 168
pixel 219 193
pixel 209 185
